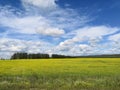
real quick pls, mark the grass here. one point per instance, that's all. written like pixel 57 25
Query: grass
pixel 61 74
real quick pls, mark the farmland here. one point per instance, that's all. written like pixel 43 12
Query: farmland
pixel 60 74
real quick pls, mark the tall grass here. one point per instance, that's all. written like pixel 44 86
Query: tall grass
pixel 61 74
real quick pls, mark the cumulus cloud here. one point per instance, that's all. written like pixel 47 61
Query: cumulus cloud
pixel 92 34
pixel 36 19
pixel 11 46
pixel 28 22
pixel 84 47
pixel 115 41
pixel 50 31
pixel 40 3
pixel 45 18
pixel 115 37
pixel 31 25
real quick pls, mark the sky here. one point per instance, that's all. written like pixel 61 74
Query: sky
pixel 67 27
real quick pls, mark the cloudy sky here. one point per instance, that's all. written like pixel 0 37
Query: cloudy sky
pixel 69 27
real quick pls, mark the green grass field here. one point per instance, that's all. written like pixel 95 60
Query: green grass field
pixel 61 74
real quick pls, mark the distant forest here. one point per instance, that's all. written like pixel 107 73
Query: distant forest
pixel 36 56
pixel 21 55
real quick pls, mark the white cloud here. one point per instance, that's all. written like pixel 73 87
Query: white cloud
pixel 11 46
pixel 25 25
pixel 50 31
pixel 30 25
pixel 115 42
pixel 91 35
pixel 54 23
pixel 94 33
pixel 41 3
pixel 66 42
pixel 115 37
pixel 45 17
pixel 84 46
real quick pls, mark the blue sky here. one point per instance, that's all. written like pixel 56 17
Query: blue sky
pixel 70 27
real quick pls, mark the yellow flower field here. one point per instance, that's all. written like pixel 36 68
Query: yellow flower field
pixel 60 74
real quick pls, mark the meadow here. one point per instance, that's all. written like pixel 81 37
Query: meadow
pixel 60 74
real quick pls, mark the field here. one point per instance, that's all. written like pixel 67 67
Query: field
pixel 60 74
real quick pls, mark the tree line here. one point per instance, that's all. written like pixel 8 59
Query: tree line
pixel 21 55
